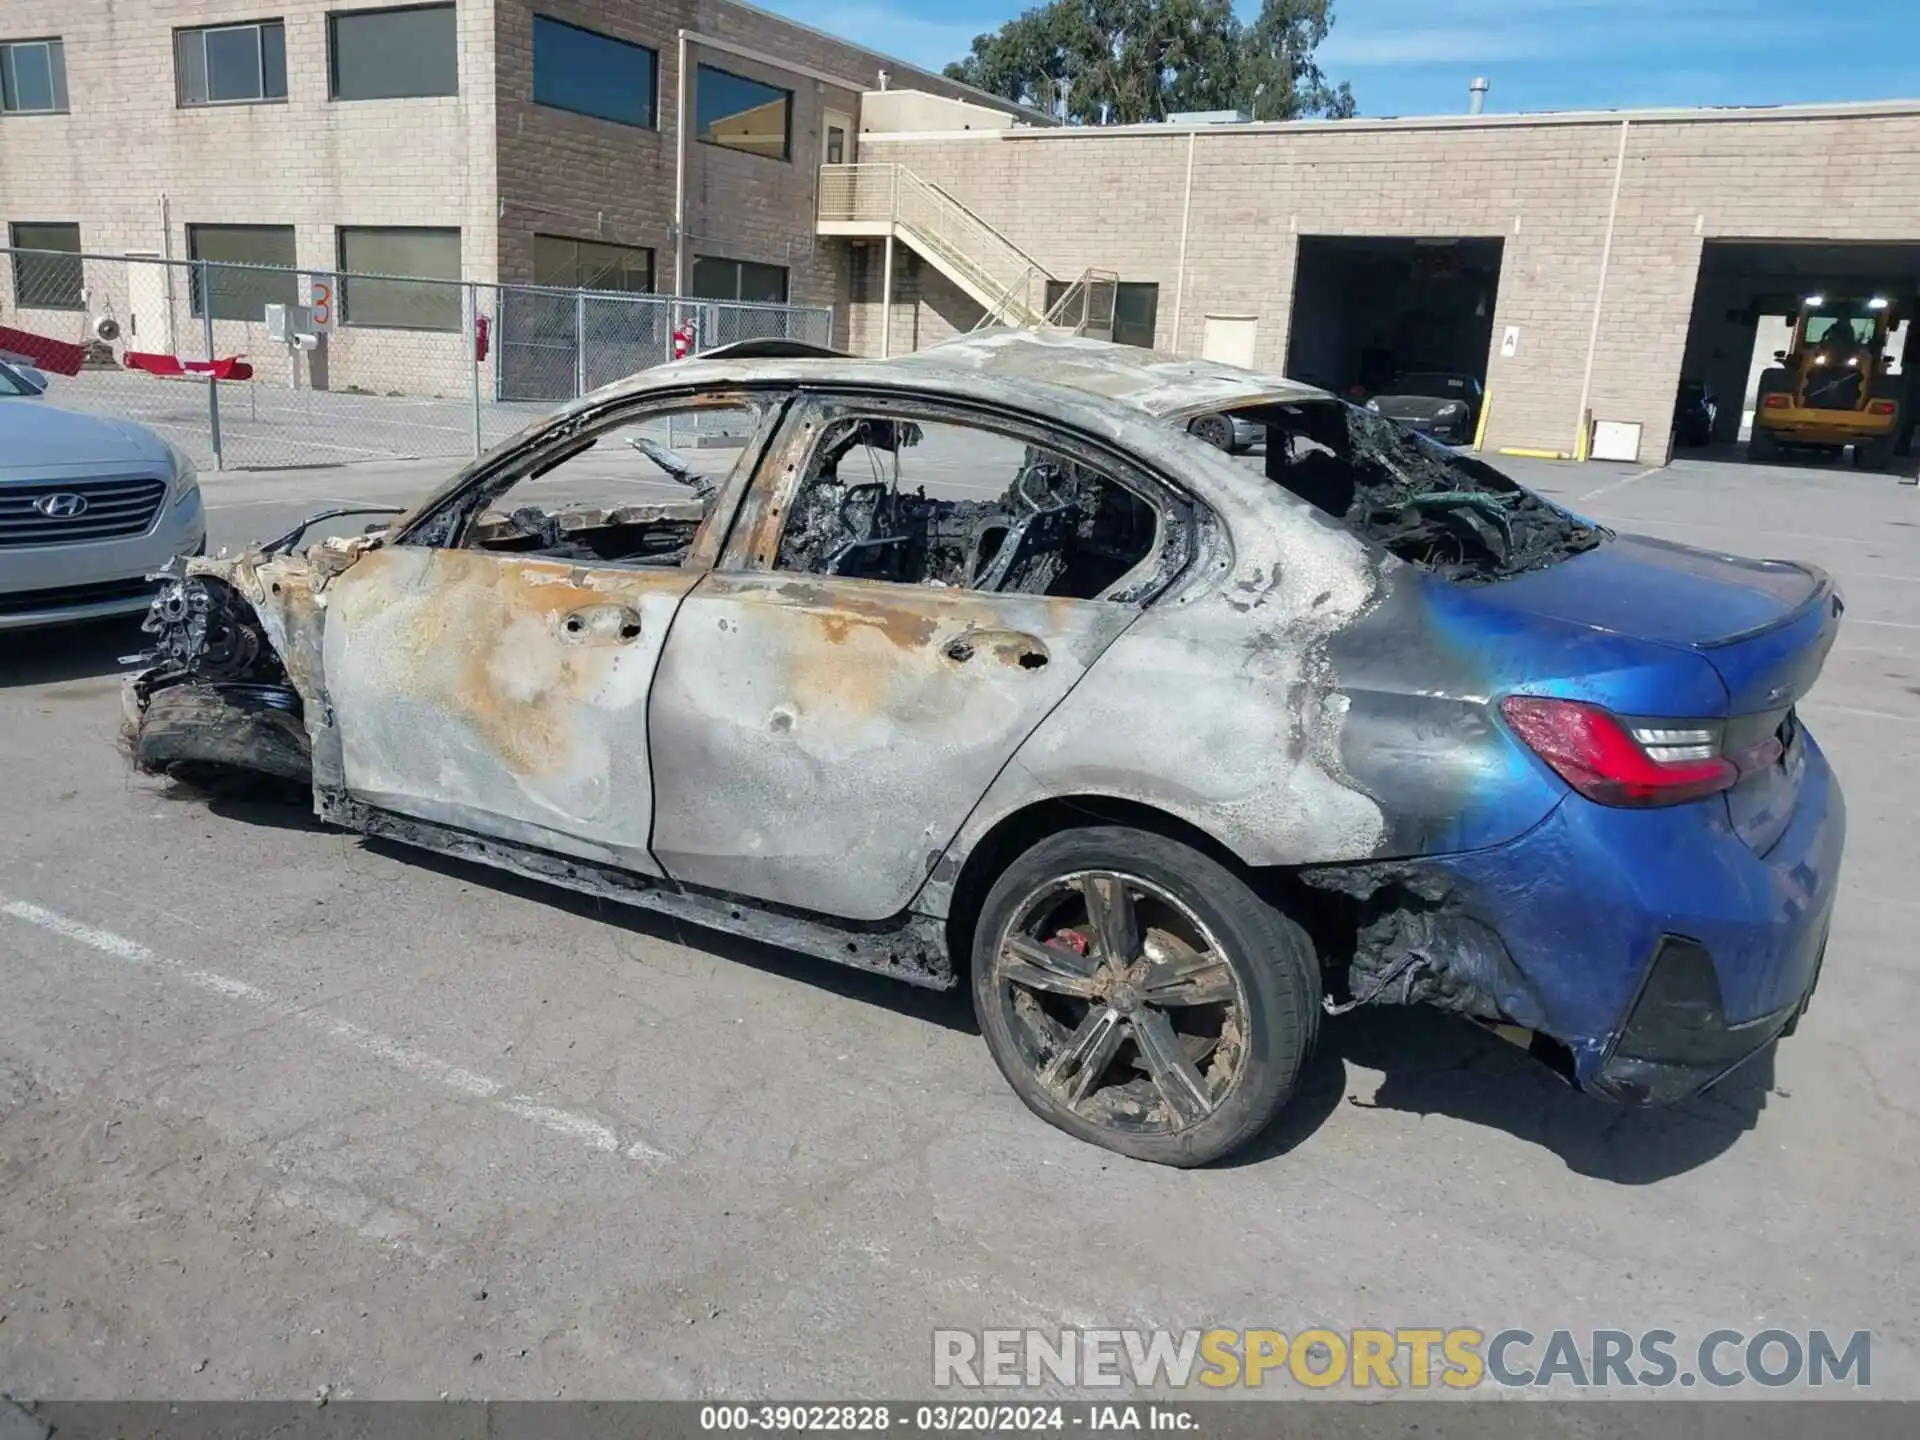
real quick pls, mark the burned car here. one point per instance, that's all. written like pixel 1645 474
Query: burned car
pixel 976 667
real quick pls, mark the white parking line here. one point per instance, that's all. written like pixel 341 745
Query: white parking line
pixel 1614 485
pixel 417 1063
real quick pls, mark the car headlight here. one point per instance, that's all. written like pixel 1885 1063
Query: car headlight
pixel 1374 406
pixel 1453 407
pixel 186 476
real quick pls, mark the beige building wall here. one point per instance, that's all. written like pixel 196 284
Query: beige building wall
pixel 1123 199
pixel 126 156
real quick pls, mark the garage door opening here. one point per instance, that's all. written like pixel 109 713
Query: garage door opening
pixel 1748 298
pixel 1369 309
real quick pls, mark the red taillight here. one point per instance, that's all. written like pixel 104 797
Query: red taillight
pixel 1598 756
pixel 1881 407
pixel 1777 402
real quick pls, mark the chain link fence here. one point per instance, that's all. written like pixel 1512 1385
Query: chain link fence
pixel 246 366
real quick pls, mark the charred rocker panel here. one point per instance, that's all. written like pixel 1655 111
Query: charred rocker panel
pixel 907 947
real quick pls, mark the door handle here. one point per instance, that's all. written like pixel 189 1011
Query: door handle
pixel 1009 647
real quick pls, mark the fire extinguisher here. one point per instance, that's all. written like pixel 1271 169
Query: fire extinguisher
pixel 481 327
pixel 683 340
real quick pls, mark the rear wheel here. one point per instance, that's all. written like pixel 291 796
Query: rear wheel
pixel 1875 454
pixel 1216 430
pixel 1138 994
pixel 1762 448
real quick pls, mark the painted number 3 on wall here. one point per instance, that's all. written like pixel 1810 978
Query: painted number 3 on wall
pixel 320 301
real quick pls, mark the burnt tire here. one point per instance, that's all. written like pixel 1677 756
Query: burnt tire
pixel 210 736
pixel 1202 932
pixel 1216 430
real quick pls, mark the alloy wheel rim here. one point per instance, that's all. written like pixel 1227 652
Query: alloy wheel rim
pixel 1121 1003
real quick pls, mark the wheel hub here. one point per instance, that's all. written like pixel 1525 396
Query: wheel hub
pixel 1121 996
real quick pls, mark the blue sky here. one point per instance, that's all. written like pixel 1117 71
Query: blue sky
pixel 1414 57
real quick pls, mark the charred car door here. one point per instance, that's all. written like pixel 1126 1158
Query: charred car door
pixel 491 670
pixel 910 589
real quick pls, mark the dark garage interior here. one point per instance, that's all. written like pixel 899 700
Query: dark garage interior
pixel 1366 308
pixel 1746 285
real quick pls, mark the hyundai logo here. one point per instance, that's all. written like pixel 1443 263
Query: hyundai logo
pixel 64 505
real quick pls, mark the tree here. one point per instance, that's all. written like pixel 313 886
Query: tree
pixel 1119 62
pixel 1280 78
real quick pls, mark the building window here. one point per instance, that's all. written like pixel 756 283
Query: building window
pixel 716 279
pixel 591 265
pixel 47 282
pixel 593 74
pixel 242 293
pixel 33 77
pixel 1136 310
pixel 743 114
pixel 391 54
pixel 399 304
pixel 231 64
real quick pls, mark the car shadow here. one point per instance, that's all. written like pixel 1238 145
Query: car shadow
pixel 952 1009
pixel 1430 1064
pixel 64 653
pixel 1434 1065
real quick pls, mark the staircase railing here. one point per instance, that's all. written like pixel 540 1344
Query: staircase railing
pixel 944 229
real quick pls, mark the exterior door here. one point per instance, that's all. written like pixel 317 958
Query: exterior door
pixel 836 697
pixel 500 694
pixel 149 306
pixel 836 139
pixel 485 685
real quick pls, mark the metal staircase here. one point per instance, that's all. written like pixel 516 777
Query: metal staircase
pixel 1011 287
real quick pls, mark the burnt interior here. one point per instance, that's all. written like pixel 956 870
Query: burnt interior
pixel 624 534
pixel 640 534
pixel 1057 528
pixel 1433 507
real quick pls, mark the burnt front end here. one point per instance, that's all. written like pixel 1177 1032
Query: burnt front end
pixel 216 705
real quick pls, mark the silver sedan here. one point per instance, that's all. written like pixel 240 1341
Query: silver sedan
pixel 89 507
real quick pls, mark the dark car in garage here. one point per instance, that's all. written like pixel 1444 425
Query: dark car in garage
pixel 1441 403
pixel 1695 412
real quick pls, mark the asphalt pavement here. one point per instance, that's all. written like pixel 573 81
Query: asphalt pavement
pixel 282 1109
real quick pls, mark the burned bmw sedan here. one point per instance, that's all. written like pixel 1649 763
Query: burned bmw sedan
pixel 976 667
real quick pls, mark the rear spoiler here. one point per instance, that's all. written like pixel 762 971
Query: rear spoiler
pixel 1775 664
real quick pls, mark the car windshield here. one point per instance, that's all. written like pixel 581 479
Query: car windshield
pixel 1442 511
pixel 1434 384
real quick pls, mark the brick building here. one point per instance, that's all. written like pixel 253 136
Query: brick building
pixel 1579 263
pixel 505 140
pixel 1630 245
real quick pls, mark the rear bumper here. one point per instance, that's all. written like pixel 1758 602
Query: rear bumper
pixel 1662 950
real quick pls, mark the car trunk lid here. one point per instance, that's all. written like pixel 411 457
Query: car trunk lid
pixel 1764 625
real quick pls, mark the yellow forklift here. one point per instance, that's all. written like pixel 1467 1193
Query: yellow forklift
pixel 1831 389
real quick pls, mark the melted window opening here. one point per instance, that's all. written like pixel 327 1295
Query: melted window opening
pixel 954 506
pixel 1435 508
